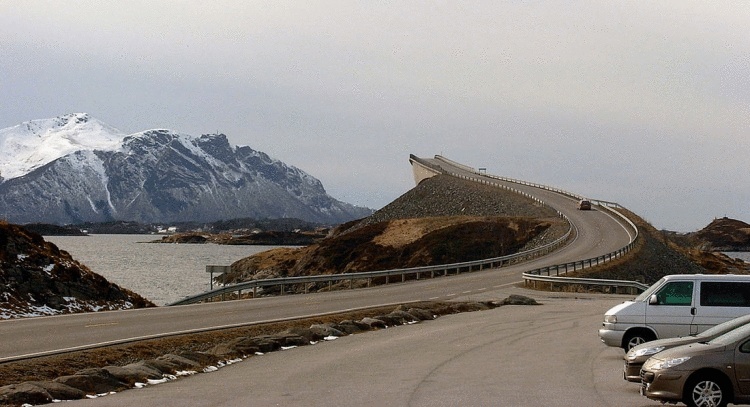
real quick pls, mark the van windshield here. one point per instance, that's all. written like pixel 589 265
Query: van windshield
pixel 644 295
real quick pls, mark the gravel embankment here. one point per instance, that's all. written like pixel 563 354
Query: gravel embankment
pixel 444 195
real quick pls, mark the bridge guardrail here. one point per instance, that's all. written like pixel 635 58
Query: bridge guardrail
pixel 370 275
pixel 417 272
pixel 536 275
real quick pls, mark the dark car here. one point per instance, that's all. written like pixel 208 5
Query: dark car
pixel 584 205
pixel 701 374
pixel 637 355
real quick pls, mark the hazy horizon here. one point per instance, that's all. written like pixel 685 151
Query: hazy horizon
pixel 642 103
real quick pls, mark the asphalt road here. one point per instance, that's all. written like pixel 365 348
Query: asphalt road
pixel 599 233
pixel 548 355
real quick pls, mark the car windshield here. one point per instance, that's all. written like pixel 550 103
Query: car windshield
pixel 725 327
pixel 644 295
pixel 732 336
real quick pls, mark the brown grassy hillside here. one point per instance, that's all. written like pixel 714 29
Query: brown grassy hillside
pixel 448 220
pixel 442 220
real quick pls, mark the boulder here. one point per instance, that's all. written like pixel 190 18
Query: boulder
pixel 389 320
pixel 515 299
pixel 470 307
pixel 421 313
pixel 24 393
pixel 134 373
pixel 373 323
pixel 60 391
pixel 170 363
pixel 326 330
pixel 352 327
pixel 93 381
pixel 404 317
pixel 307 333
pixel 264 343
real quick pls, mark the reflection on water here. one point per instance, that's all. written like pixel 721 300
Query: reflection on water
pixel 161 272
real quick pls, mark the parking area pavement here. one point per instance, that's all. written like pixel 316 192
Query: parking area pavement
pixel 511 356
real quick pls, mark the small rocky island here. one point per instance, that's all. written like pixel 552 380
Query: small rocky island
pixel 725 235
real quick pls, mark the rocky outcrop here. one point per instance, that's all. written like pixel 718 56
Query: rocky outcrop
pixel 442 220
pixel 95 381
pixel 37 278
pixel 268 238
pixel 725 235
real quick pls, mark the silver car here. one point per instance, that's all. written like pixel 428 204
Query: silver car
pixel 637 355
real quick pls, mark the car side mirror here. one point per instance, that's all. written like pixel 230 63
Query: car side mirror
pixel 653 300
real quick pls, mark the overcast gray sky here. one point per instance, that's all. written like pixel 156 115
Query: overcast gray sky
pixel 645 103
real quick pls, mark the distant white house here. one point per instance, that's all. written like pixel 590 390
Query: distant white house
pixel 167 231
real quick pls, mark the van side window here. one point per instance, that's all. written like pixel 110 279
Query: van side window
pixel 676 293
pixel 725 294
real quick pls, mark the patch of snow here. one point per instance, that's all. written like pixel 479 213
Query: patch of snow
pixel 159 381
pixel 30 145
pixel 330 338
pixel 22 257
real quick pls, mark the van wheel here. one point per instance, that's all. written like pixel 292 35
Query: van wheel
pixel 706 391
pixel 636 338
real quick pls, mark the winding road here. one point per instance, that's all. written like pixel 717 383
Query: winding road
pixel 598 233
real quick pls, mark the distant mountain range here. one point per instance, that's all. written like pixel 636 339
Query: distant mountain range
pixel 75 169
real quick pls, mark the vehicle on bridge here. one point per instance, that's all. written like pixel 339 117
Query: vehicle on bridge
pixel 584 205
pixel 677 305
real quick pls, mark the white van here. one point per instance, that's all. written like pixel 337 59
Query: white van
pixel 676 305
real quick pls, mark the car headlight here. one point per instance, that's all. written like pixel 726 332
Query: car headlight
pixel 610 319
pixel 632 354
pixel 666 364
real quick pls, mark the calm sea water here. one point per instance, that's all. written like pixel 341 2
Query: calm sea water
pixel 161 272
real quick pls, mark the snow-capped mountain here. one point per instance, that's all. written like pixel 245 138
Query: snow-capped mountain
pixel 75 169
pixel 32 144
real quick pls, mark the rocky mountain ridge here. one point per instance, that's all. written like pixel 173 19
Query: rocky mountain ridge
pixel 156 176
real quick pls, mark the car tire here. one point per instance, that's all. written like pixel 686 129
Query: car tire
pixel 707 390
pixel 636 338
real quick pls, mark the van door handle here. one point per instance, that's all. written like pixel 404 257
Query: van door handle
pixel 692 311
